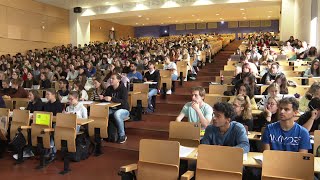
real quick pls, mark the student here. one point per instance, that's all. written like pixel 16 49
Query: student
pixel 72 74
pixel 83 95
pixel 168 65
pixel 286 134
pixel 6 89
pixel 197 110
pixel 242 108
pixel 35 103
pixel 313 91
pixel 118 93
pixel 270 76
pixel 311 119
pixel 53 105
pixel 245 90
pixel 17 90
pixel 224 131
pixel 314 70
pixel 273 91
pixel 152 75
pixel 269 115
pixel 134 75
pixel 63 89
pixel 44 81
pixel 76 108
pixel 91 70
pixel 99 89
pixel 30 81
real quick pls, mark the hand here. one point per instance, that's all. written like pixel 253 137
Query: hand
pixel 145 79
pixel 101 97
pixel 314 114
pixel 107 98
pixel 195 106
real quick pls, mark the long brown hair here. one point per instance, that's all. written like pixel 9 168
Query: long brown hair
pixel 246 104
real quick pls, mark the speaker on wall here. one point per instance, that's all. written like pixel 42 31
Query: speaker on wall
pixel 77 10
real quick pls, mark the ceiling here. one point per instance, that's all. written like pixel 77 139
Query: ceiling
pixel 188 12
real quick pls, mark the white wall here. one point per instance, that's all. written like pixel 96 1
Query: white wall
pixel 287 19
pixel 79 29
pixel 302 20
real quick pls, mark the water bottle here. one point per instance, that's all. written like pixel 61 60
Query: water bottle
pixel 221 79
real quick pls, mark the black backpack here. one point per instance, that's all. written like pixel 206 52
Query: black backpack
pixel 83 145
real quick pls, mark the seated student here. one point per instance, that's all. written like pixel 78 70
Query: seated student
pixel 30 81
pixel 53 105
pixel 72 74
pixel 281 80
pixel 269 115
pixel 90 69
pixel 197 110
pixel 124 79
pixel 118 93
pixel 75 107
pixel 286 134
pixel 134 75
pixel 152 75
pixel 6 89
pixel 244 60
pixel 44 81
pixel 242 108
pixel 311 119
pixel 314 70
pixel 99 89
pixel 77 86
pixel 245 90
pixel 168 65
pixel 273 91
pixel 35 103
pixel 313 91
pixel 17 90
pixel 266 69
pixel 63 89
pixel 224 131
pixel 270 76
pixel 245 72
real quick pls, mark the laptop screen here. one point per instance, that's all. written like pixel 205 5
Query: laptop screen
pixel 43 119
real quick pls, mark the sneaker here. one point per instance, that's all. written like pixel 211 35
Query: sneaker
pixel 122 139
pixel 169 92
pixel 26 154
pixel 149 110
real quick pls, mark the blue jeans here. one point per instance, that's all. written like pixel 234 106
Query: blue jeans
pixel 119 115
pixel 152 92
pixel 174 77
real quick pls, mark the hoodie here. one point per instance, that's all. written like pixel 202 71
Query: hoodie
pixel 119 95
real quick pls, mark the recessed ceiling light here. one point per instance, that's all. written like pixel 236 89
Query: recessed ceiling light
pixel 244 17
pixel 222 22
pixel 221 18
pixel 201 20
pixel 192 15
pixel 176 21
pixel 243 13
pixel 137 23
pixel 169 17
pixel 270 11
pixel 269 16
pixel 161 23
pixel 147 18
pixel 217 14
pixel 142 24
pixel 198 19
pixel 241 9
pixel 139 16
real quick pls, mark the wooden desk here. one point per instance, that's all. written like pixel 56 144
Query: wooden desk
pixel 82 121
pixel 253 136
pixel 256 112
pixel 250 161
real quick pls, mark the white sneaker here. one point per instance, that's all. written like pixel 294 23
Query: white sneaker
pixel 169 92
pixel 25 155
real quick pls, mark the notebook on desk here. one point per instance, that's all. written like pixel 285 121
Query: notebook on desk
pixel 42 119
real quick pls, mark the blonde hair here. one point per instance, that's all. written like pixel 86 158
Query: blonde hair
pixel 246 104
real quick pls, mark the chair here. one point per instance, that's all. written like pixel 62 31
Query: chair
pixel 218 162
pixel 313 80
pixel 286 68
pixel 65 137
pixel 227 79
pixel 299 89
pixel 186 133
pixel 158 160
pixel 291 73
pixel 99 127
pixel 217 89
pixel 316 143
pixel 182 67
pixel 211 100
pixel 20 102
pixel 297 80
pixel 227 73
pixel 300 68
pixel 9 103
pixel 41 129
pixel 4 123
pixel 275 165
pixel 142 91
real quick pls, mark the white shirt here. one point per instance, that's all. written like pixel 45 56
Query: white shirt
pixel 72 75
pixel 79 110
pixel 170 66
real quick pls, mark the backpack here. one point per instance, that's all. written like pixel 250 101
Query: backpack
pixel 18 142
pixel 82 148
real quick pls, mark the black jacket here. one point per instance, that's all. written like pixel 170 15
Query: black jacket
pixel 154 77
pixel 45 84
pixel 35 106
pixel 55 107
pixel 305 117
pixel 119 95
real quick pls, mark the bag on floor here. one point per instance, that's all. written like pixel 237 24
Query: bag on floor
pixel 18 142
pixel 82 151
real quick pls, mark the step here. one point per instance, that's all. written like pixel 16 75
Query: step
pixel 134 137
pixel 187 90
pixel 177 97
pixel 201 73
pixel 195 83
pixel 148 125
pixel 159 116
pixel 206 78
pixel 169 107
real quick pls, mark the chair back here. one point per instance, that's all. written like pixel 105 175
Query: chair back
pixel 100 115
pixel 4 122
pixel 275 165
pixel 211 100
pixel 8 103
pixel 65 130
pixel 219 162
pixel 299 89
pixel 217 89
pixel 140 87
pixel 186 133
pixel 227 73
pixel 19 118
pixel 316 143
pixel 20 102
pixel 41 120
pixel 66 120
pixel 158 160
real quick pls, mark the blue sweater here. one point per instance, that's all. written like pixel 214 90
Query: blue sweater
pixel 236 136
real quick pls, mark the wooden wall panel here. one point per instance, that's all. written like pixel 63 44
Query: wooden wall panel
pixel 24 22
pixel 97 34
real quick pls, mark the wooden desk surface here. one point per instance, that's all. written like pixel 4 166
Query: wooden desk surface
pixel 81 121
pixel 253 136
pixel 250 161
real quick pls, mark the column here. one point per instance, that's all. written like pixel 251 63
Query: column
pixel 287 19
pixel 79 29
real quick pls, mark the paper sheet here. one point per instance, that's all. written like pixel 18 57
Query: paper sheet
pixel 259 159
pixel 103 104
pixel 185 151
pixel 86 102
pixel 245 157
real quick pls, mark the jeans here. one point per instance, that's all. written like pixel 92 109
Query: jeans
pixel 152 92
pixel 174 77
pixel 119 115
